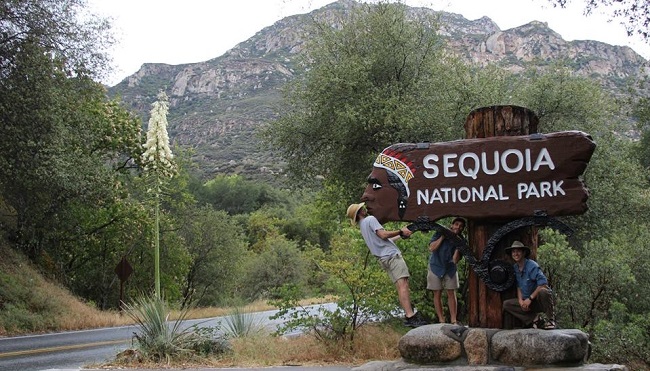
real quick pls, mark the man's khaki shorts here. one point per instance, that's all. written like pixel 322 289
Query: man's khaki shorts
pixel 395 266
pixel 445 283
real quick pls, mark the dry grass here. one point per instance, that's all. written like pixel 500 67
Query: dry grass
pixel 372 342
pixel 79 315
pixel 42 305
pixel 45 306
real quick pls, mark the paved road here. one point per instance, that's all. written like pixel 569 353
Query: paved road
pixel 276 368
pixel 75 349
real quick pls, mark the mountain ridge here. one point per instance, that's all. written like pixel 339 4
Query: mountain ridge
pixel 216 105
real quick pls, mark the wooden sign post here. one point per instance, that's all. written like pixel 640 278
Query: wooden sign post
pixel 485 305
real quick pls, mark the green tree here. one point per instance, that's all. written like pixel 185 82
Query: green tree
pixel 567 102
pixel 586 283
pixel 67 151
pixel 279 263
pixel 60 27
pixel 635 236
pixel 217 248
pixel 623 338
pixel 563 101
pixel 618 188
pixel 598 289
pixel 65 145
pixel 641 111
pixel 236 195
pixel 92 244
pixel 372 79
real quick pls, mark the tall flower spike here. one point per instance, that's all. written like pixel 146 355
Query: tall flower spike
pixel 157 154
pixel 158 160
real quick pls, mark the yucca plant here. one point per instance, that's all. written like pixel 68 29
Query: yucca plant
pixel 241 323
pixel 159 340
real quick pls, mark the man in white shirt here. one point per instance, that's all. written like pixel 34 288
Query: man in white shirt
pixel 381 244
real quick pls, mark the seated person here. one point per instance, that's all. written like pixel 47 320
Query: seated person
pixel 533 293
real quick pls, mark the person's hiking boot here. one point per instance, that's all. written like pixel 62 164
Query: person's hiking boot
pixel 543 322
pixel 415 321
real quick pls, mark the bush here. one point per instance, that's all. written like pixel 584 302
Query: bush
pixel 159 340
pixel 241 323
pixel 279 263
pixel 623 338
pixel 365 294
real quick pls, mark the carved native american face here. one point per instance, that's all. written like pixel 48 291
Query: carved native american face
pixel 383 197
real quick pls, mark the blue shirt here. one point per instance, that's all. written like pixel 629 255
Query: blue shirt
pixel 441 261
pixel 529 278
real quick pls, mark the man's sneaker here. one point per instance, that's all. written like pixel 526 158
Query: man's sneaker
pixel 415 321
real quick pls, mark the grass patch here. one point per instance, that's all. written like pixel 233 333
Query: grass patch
pixel 31 304
pixel 373 342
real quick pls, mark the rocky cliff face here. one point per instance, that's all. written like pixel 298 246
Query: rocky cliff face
pixel 535 43
pixel 217 104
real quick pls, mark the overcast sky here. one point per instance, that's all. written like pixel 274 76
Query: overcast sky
pixel 189 31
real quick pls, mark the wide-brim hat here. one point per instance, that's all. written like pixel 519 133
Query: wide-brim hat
pixel 353 210
pixel 518 245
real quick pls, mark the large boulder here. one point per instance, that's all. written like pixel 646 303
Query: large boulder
pixel 429 344
pixel 459 345
pixel 539 347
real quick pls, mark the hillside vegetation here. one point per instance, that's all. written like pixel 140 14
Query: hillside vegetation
pixel 31 303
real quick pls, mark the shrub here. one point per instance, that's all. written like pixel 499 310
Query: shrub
pixel 623 338
pixel 241 323
pixel 160 340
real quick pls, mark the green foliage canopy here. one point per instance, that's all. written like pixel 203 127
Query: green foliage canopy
pixel 236 195
pixel 64 28
pixel 217 248
pixel 378 77
pixel 615 179
pixel 63 143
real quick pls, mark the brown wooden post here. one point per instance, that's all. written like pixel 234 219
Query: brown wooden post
pixel 485 305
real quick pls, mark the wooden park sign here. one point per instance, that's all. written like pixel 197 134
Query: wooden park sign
pixel 496 177
pixel 504 178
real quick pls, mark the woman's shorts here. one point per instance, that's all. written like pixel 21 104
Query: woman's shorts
pixel 445 283
pixel 395 266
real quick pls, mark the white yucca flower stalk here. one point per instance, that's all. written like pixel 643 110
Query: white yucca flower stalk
pixel 157 154
pixel 159 163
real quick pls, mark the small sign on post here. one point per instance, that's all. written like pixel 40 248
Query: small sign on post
pixel 123 271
